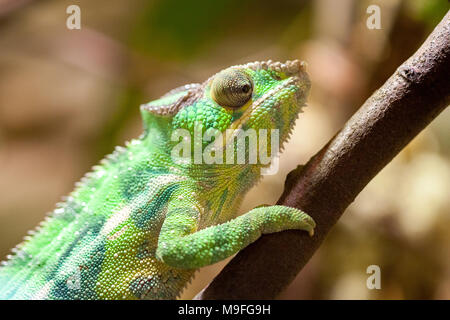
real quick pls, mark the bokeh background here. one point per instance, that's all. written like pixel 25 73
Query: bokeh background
pixel 67 97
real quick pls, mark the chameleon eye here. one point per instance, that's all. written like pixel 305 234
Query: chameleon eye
pixel 231 88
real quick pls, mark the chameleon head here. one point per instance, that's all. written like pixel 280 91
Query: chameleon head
pixel 256 97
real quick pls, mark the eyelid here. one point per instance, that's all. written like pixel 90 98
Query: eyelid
pixel 226 88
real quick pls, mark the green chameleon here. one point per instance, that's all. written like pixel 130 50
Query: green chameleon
pixel 140 224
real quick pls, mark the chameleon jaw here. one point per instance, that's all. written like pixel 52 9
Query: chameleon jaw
pixel 237 124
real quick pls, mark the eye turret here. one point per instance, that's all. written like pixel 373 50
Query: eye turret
pixel 231 88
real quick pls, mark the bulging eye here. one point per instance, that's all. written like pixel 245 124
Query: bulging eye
pixel 231 88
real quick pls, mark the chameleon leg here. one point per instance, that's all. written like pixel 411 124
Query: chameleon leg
pixel 181 247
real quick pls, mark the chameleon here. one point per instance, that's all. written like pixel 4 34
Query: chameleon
pixel 142 222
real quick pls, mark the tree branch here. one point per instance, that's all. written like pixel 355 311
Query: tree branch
pixel 409 100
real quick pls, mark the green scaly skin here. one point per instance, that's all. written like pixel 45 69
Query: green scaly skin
pixel 140 224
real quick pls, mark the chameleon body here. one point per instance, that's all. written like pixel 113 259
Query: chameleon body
pixel 141 223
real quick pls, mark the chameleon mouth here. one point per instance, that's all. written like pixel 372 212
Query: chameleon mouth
pixel 296 73
pixel 295 69
pixel 256 104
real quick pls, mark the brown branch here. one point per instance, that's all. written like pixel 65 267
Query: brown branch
pixel 409 100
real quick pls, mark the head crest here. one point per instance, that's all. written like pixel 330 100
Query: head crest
pixel 170 103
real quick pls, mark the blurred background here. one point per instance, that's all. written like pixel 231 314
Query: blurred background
pixel 67 97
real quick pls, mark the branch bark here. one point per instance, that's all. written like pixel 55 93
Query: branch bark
pixel 409 100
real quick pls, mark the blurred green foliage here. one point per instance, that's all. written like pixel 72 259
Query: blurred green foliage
pixel 430 11
pixel 176 29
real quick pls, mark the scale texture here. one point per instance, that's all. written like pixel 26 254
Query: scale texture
pixel 140 224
